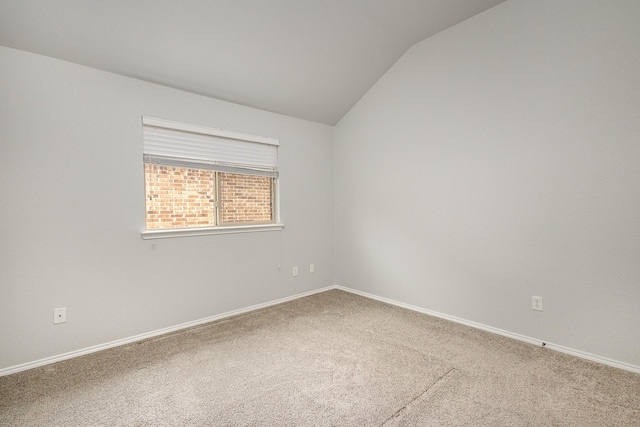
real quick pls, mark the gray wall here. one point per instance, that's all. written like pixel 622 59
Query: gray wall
pixel 498 160
pixel 72 209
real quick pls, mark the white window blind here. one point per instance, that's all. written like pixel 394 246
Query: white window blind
pixel 183 145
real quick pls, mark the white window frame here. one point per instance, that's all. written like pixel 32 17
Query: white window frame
pixel 220 136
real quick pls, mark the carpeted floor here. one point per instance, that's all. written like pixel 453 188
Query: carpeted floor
pixel 331 359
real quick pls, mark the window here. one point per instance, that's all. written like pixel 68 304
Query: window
pixel 201 180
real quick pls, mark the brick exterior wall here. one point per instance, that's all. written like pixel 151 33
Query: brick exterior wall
pixel 245 198
pixel 182 197
pixel 178 197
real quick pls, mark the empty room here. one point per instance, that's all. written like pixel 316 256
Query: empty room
pixel 320 213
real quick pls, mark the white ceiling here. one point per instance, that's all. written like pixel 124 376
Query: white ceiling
pixel 312 59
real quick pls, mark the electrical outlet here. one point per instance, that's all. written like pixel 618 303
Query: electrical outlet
pixel 295 271
pixel 312 268
pixel 536 303
pixel 59 315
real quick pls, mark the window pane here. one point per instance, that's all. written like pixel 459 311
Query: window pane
pixel 245 198
pixel 179 197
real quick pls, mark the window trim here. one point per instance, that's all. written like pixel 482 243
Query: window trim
pixel 185 127
pixel 204 231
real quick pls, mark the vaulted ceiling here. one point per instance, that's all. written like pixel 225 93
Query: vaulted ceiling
pixel 311 59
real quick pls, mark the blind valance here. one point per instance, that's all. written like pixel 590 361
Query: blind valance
pixel 184 145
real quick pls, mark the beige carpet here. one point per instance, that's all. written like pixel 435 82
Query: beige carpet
pixel 331 359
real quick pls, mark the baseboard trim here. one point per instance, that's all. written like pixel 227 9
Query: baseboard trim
pixel 70 355
pixel 535 341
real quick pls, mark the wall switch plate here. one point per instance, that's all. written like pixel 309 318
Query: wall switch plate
pixel 295 271
pixel 312 268
pixel 536 303
pixel 59 315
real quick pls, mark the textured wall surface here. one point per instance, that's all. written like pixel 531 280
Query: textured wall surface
pixel 182 197
pixel 179 197
pixel 512 142
pixel 245 198
pixel 73 209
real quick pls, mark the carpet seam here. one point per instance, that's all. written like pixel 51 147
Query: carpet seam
pixel 439 380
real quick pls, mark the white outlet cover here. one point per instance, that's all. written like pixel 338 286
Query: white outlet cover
pixel 295 271
pixel 312 268
pixel 536 303
pixel 59 315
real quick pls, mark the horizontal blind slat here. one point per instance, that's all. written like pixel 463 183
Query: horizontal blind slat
pixel 178 144
pixel 185 163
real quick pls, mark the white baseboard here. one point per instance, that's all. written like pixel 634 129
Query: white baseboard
pixel 556 347
pixel 99 347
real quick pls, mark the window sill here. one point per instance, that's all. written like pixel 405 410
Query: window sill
pixel 189 232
